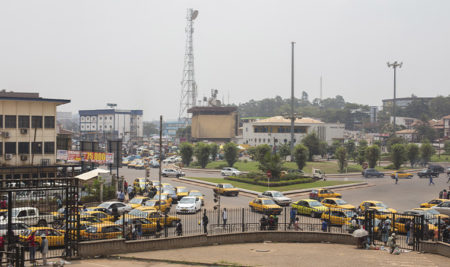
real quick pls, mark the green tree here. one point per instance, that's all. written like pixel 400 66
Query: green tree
pixel 412 153
pixel 311 141
pixel 323 147
pixel 231 151
pixel 149 128
pixel 373 155
pixel 447 147
pixel 425 131
pixel 186 151
pixel 273 163
pixel 301 155
pixel 351 147
pixel 261 151
pixel 252 151
pixel 201 152
pixel 341 156
pixel 398 155
pixel 426 151
pixel 394 140
pixel 284 150
pixel 213 149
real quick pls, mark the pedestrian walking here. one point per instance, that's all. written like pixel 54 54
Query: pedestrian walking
pixel 324 225
pixel 224 216
pixel 296 224
pixel 138 229
pixel 59 202
pixel 263 223
pixel 431 180
pixel 412 228
pixel 445 194
pixel 396 178
pixel 205 222
pixel 441 193
pixel 3 204
pixel 179 229
pixel 408 230
pixel 448 177
pixel 44 249
pixel 386 228
pixel 31 241
pixel 125 185
pixel 292 216
pixel 158 228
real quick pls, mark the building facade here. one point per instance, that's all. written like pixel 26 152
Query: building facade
pixel 277 131
pixel 111 123
pixel 213 123
pixel 28 129
pixel 170 127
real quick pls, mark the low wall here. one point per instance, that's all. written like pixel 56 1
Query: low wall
pixel 118 246
pixel 440 248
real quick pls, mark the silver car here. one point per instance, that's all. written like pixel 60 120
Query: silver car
pixel 443 208
pixel 278 197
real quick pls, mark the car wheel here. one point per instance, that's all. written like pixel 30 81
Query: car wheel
pixel 313 214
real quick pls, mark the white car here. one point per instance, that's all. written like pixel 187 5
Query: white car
pixel 172 172
pixel 228 171
pixel 189 205
pixel 443 208
pixel 278 197
pixel 121 207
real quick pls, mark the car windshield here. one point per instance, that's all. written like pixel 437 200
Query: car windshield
pixel 182 190
pixel 91 229
pixel 138 213
pixel 315 204
pixel 104 205
pixel 150 203
pixel 433 211
pixel 136 201
pixel 268 202
pixel 195 194
pixel 277 194
pixel 187 200
pixel 340 202
pixel 379 204
pixel 227 186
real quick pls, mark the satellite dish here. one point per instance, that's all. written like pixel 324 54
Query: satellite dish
pixel 194 14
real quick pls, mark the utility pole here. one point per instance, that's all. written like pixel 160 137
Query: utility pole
pixel 160 161
pixel 292 101
pixel 394 65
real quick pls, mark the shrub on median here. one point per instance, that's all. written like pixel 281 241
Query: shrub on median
pixel 262 180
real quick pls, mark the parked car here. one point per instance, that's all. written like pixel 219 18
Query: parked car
pixel 31 216
pixel 278 197
pixel 432 203
pixel 443 208
pixel 121 207
pixel 55 238
pixel 172 173
pixel 425 173
pixel 17 227
pixel 228 171
pixel 372 173
pixel 189 205
pixel 436 168
pixel 321 193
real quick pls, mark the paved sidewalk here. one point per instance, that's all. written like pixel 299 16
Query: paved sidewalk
pixel 271 254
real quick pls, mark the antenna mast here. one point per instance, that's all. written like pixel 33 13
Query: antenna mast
pixel 188 84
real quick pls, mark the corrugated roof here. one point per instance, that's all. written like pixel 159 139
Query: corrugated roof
pixel 281 119
pixel 91 174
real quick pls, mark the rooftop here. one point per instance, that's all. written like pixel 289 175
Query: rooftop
pixel 23 96
pixel 281 119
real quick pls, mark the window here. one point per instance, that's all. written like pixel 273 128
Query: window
pixel 49 122
pixel 110 118
pixel 24 121
pixel 49 147
pixel 24 148
pixel 36 148
pixel 1 121
pixel 36 122
pixel 10 147
pixel 10 121
pixel 100 118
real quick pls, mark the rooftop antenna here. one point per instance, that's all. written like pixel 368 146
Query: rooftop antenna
pixel 320 88
pixel 111 105
pixel 188 84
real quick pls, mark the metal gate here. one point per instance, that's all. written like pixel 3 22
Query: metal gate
pixel 409 229
pixel 40 207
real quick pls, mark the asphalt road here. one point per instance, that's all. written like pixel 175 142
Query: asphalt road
pixel 407 194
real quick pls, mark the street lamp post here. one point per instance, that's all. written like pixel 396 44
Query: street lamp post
pixel 292 101
pixel 394 65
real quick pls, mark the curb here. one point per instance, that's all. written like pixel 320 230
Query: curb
pixel 285 192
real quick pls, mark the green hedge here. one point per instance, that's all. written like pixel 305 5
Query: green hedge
pixel 263 181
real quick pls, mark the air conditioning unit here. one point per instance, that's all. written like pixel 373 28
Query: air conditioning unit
pixel 23 157
pixel 5 134
pixel 8 156
pixel 23 131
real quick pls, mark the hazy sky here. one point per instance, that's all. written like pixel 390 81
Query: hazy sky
pixel 131 52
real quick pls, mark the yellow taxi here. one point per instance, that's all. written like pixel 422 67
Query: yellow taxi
pixel 164 196
pixel 321 193
pixel 309 207
pixel 148 226
pixel 55 238
pixel 105 230
pixel 141 183
pixel 138 201
pixel 226 190
pixel 338 216
pixel 153 215
pixel 83 227
pixel 133 163
pixel 152 203
pixel 89 218
pixel 60 213
pixel 432 203
pixel 265 205
pixel 402 174
pixel 400 225
pixel 196 193
pixel 181 191
pixel 102 216
pixel 105 210
pixel 374 204
pixel 337 203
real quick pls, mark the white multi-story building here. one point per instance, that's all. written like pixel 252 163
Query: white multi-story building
pixel 125 124
pixel 28 129
pixel 277 130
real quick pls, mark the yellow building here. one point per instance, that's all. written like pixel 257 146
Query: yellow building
pixel 28 130
pixel 214 123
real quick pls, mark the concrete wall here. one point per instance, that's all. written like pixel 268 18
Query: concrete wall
pixel 213 126
pixel 440 248
pixel 110 247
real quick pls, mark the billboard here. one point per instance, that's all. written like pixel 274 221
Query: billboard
pixel 95 157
